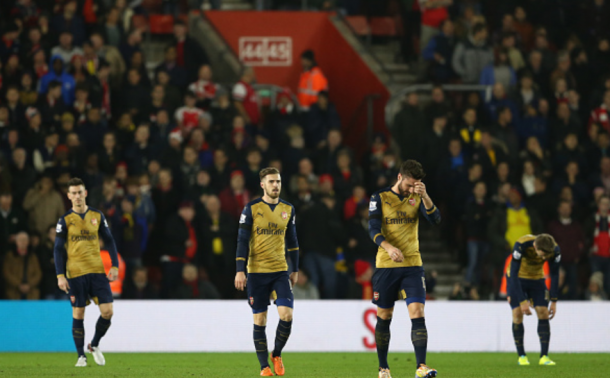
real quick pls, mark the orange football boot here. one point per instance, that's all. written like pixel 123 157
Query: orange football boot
pixel 266 372
pixel 278 365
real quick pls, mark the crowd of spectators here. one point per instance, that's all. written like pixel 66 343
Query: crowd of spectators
pixel 170 157
pixel 528 155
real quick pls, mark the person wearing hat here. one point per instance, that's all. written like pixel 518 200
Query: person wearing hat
pixel 311 82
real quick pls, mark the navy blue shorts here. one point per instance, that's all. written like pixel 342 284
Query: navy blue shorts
pixel 533 290
pixel 89 287
pixel 262 286
pixel 391 284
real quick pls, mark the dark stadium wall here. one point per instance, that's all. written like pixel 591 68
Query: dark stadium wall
pixel 350 79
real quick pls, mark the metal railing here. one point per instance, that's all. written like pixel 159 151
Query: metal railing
pixel 395 101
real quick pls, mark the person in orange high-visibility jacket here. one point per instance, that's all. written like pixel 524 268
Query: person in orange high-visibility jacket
pixel 312 80
pixel 117 286
pixel 545 268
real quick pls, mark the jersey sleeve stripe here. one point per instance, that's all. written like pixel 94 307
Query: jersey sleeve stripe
pixel 293 249
pixel 375 238
pixel 241 259
pixel 433 209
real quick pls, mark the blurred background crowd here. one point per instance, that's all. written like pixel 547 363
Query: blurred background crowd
pixel 171 157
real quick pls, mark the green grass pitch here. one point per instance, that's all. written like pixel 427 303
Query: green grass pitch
pixel 335 365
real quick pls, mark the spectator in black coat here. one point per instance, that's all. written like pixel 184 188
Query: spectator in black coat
pixel 139 287
pixel 571 177
pixel 435 143
pixel 189 53
pixel 24 176
pixel 134 94
pixel 408 122
pixel 130 232
pixel 326 157
pixel 477 216
pixel 91 133
pixel 504 132
pixel 571 237
pixel 219 233
pixel 320 234
pixel 141 152
pixel 570 150
pixel 108 154
pixel 176 72
pixel 51 105
pixel 321 118
pixel 181 244
pixel 70 21
pixel 33 136
pixel 12 220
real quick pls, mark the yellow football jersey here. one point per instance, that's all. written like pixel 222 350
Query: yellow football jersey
pixel 80 234
pixel 268 231
pixel 395 218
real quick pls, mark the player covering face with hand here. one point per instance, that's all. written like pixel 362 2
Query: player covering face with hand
pixel 526 282
pixel 266 231
pixel 393 225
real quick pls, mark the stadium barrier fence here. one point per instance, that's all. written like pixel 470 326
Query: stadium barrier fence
pixel 319 326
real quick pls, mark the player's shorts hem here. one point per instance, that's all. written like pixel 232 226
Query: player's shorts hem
pixel 259 310
pixel 284 302
pixel 383 307
pixel 415 300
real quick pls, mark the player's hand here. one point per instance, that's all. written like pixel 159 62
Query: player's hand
pixel 241 281
pixel 552 310
pixel 113 274
pixel 62 283
pixel 525 308
pixel 420 188
pixel 294 277
pixel 395 254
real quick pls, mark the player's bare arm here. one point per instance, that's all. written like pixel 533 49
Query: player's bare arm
pixel 113 274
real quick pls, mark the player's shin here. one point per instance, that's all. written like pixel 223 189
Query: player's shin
pixel 518 332
pixel 382 339
pixel 100 330
pixel 260 344
pixel 281 337
pixel 544 333
pixel 419 337
pixel 78 333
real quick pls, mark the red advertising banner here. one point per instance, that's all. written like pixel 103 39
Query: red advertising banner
pixel 272 43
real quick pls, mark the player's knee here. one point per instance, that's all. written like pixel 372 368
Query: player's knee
pixel 78 313
pixel 107 314
pixel 517 316
pixel 385 313
pixel 542 312
pixel 286 315
pixel 260 319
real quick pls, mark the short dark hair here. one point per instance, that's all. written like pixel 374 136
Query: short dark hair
pixel 413 169
pixel 545 243
pixel 268 171
pixel 54 84
pixel 75 181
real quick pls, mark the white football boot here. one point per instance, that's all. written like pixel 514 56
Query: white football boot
pixel 98 357
pixel 82 362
